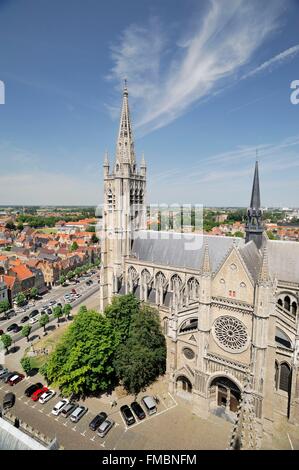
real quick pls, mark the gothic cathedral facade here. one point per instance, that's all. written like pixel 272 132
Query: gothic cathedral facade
pixel 229 308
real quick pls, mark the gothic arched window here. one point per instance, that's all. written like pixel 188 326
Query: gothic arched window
pixel 294 308
pixel 285 376
pixel 287 302
pixel 276 375
pixel 193 286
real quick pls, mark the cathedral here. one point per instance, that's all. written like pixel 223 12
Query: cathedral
pixel 228 307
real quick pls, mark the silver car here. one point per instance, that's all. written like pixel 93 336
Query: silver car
pixel 78 413
pixel 105 427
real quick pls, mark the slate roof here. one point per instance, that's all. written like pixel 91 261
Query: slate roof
pixel 12 438
pixel 182 250
pixel 283 259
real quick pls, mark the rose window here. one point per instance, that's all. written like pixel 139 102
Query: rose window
pixel 231 334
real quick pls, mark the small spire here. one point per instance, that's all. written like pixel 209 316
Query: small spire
pixel 106 158
pixel 206 266
pixel 143 162
pixel 125 143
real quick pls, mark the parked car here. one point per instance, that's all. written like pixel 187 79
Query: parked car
pixel 68 409
pixel 32 388
pixel 59 406
pixel 46 396
pixel 138 410
pixel 52 302
pixel 78 413
pixel 33 313
pixel 97 421
pixel 9 400
pixel 15 379
pixel 9 314
pixel 105 427
pixel 9 375
pixel 150 404
pixel 1 332
pixel 3 372
pixel 33 320
pixel 12 327
pixel 24 319
pixel 49 311
pixel 127 415
pixel 35 396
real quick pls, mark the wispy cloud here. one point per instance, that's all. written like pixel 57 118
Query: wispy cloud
pixel 166 80
pixel 274 61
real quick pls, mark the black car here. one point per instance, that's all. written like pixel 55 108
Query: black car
pixel 33 313
pixel 24 319
pixel 10 314
pixel 9 400
pixel 127 415
pixel 32 388
pixel 12 327
pixel 49 311
pixel 138 410
pixel 97 421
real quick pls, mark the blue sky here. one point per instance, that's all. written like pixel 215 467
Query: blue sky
pixel 209 82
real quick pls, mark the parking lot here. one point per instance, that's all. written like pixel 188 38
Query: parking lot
pixel 174 426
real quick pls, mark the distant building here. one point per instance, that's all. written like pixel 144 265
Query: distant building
pixel 3 290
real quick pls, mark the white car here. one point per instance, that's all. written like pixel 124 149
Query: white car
pixel 46 396
pixel 59 406
pixel 33 320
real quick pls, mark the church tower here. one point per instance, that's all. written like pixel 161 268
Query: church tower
pixel 254 226
pixel 124 210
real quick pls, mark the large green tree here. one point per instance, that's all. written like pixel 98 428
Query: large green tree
pixel 20 299
pixel 26 330
pixel 142 358
pixel 120 312
pixel 44 320
pixel 57 311
pixel 82 362
pixel 6 341
pixel 4 306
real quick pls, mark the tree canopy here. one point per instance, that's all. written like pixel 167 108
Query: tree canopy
pixel 120 312
pixel 82 361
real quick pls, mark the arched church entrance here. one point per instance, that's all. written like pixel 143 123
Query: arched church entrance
pixel 184 387
pixel 224 395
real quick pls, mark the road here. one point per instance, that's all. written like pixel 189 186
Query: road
pixel 56 294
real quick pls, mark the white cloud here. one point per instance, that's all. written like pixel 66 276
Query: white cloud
pixel 274 61
pixel 164 82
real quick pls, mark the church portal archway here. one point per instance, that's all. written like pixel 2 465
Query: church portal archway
pixel 225 394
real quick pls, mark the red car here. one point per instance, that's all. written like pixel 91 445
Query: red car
pixel 15 379
pixel 38 393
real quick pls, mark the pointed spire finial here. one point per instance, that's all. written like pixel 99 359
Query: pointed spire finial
pixel 125 143
pixel 106 158
pixel 143 162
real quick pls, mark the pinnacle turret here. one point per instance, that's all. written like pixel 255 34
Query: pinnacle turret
pixel 254 227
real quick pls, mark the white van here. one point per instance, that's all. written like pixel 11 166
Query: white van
pixel 150 405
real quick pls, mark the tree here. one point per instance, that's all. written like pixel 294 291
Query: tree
pixel 239 234
pixel 271 235
pixel 44 320
pixel 142 358
pixel 94 238
pixel 33 292
pixel 20 299
pixel 74 246
pixel 4 306
pixel 83 309
pixel 20 226
pixel 6 341
pixel 91 228
pixel 120 312
pixel 70 275
pixel 57 312
pixel 10 225
pixel 82 362
pixel 26 330
pixel 62 280
pixel 66 310
pixel 26 364
pixel 77 271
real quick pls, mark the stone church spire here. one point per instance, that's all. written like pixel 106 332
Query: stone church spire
pixel 254 227
pixel 125 145
pixel 206 265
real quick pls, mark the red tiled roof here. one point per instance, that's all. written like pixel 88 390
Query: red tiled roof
pixel 22 272
pixel 9 281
